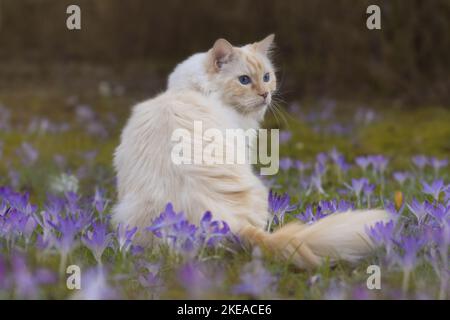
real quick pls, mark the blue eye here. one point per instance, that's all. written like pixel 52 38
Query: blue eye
pixel 266 77
pixel 244 79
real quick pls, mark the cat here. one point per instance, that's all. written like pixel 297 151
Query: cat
pixel 225 87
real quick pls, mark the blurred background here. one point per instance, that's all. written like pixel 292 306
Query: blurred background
pixel 323 47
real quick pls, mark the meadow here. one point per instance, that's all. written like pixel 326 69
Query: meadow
pixel 57 188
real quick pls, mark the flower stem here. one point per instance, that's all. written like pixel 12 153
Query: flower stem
pixel 62 263
pixel 405 284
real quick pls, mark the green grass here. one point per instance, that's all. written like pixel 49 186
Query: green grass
pixel 399 134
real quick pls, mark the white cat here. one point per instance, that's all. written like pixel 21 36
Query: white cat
pixel 224 88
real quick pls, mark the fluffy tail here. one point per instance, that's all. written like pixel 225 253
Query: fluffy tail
pixel 339 236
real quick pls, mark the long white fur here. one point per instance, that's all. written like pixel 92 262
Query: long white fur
pixel 147 178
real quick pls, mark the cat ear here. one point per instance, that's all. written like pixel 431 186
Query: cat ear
pixel 265 45
pixel 221 53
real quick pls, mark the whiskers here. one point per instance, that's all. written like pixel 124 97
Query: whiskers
pixel 278 112
pixel 275 107
pixel 252 102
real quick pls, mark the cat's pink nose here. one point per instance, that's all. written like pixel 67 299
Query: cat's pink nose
pixel 264 95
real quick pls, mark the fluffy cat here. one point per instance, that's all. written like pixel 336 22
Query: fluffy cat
pixel 225 87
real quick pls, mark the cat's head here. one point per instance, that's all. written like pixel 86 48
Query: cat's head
pixel 243 77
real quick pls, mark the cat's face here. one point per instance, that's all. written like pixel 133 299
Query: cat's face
pixel 243 76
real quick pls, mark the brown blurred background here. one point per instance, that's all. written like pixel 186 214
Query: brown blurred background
pixel 324 47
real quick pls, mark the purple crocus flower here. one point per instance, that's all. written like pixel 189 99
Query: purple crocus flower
pixel 28 154
pixel 84 113
pixel 44 239
pixel 304 184
pixel 160 227
pixel 447 195
pixel 382 234
pixel 136 250
pixel 339 129
pixel 95 286
pixel 379 163
pixel 59 229
pixel 342 164
pixel 335 155
pixel 100 202
pixel 438 258
pixel 293 107
pixel 211 231
pixel 339 160
pixel 27 226
pixel 255 280
pixel 438 255
pixel 343 206
pixel 16 216
pixel 27 283
pixel 309 217
pixel 441 237
pixel 419 210
pixel 321 163
pixel 337 290
pixel 368 190
pixel 316 184
pixel 357 186
pixel 285 164
pixel 434 189
pixel 96 129
pixel 361 293
pixel 394 212
pixel 438 164
pixel 67 228
pixel 97 240
pixel 54 207
pixel 410 247
pixel 279 206
pixel 332 206
pixel 149 277
pixel 420 161
pixel 325 208
pixel 199 281
pixel 401 177
pixel 72 204
pixel 184 236
pixel 175 230
pixel 18 200
pixel 301 166
pixel 125 236
pixel 438 211
pixel 363 162
pixel 285 136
